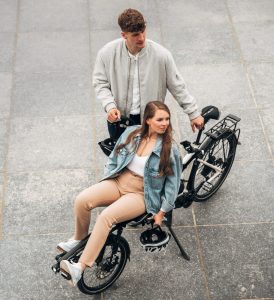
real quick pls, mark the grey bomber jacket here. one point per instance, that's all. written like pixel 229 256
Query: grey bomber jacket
pixel 113 76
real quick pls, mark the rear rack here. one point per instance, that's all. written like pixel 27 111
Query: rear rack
pixel 229 122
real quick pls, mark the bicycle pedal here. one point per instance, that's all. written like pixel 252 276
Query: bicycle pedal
pixel 207 186
pixel 65 274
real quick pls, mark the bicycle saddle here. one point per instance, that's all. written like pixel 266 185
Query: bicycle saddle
pixel 210 112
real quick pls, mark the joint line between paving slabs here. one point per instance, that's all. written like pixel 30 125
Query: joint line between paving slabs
pixel 250 84
pixel 200 255
pixel 8 126
pixel 93 114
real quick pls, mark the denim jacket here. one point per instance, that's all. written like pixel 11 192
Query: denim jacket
pixel 160 192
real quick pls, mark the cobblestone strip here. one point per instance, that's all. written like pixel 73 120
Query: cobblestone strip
pixel 8 125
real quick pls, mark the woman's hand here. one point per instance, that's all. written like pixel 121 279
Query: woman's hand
pixel 158 218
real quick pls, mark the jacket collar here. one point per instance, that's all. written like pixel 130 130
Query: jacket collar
pixel 141 53
pixel 158 146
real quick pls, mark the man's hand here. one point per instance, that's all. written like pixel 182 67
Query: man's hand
pixel 113 115
pixel 158 218
pixel 197 123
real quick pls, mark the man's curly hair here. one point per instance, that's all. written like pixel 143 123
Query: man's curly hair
pixel 131 20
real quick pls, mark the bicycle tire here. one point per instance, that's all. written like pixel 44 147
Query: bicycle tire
pixel 93 279
pixel 225 145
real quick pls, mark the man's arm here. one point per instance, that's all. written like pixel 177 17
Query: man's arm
pixel 177 87
pixel 102 85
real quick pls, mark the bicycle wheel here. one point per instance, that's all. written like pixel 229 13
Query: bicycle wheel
pixel 221 154
pixel 107 268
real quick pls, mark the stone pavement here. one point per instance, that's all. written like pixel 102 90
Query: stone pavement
pixel 50 123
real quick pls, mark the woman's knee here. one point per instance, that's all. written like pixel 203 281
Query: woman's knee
pixel 84 200
pixel 105 219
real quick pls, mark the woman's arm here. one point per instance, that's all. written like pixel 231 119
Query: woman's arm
pixel 172 182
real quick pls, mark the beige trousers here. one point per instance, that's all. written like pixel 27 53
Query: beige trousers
pixel 124 198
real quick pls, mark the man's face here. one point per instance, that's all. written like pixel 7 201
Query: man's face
pixel 135 40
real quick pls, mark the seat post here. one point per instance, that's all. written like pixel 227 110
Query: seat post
pixel 168 223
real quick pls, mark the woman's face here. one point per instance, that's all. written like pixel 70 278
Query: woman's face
pixel 159 123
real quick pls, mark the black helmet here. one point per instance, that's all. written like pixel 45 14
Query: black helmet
pixel 107 145
pixel 154 239
pixel 119 127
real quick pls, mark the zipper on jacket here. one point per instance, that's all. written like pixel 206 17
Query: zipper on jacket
pixel 128 77
pixel 140 98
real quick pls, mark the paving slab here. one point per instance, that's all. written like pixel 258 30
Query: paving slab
pixel 267 119
pixel 192 13
pixel 52 51
pixel 251 11
pixel 163 275
pixel 51 94
pixel 105 16
pixel 5 93
pixel 8 15
pixel 254 141
pixel 222 85
pixel 239 261
pixel 6 51
pixel 209 44
pixel 50 143
pixel 246 196
pixel 263 84
pixel 42 202
pixel 1 201
pixel 31 276
pixel 3 140
pixel 256 41
pixel 64 15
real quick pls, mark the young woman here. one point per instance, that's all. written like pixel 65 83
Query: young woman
pixel 142 174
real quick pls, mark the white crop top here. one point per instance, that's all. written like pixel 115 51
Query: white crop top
pixel 137 165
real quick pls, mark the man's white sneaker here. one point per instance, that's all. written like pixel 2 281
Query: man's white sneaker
pixel 73 269
pixel 67 246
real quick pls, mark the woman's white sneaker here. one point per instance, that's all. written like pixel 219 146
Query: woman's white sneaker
pixel 73 269
pixel 67 246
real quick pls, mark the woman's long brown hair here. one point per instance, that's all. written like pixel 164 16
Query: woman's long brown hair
pixel 150 110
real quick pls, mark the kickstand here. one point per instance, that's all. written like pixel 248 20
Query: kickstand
pixel 168 223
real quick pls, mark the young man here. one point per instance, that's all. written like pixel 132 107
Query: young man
pixel 131 71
